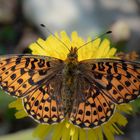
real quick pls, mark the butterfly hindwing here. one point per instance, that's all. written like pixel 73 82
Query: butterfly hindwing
pixel 94 110
pixel 44 104
pixel 20 74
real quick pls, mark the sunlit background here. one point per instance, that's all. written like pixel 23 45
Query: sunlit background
pixel 20 25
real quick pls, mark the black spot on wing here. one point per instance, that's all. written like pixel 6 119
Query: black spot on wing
pixel 48 63
pixel 27 62
pixel 20 80
pixel 13 76
pixel 41 63
pixel 18 60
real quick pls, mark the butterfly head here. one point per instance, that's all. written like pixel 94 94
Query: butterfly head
pixel 72 56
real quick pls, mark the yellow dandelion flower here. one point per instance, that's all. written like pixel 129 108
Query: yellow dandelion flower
pixel 66 130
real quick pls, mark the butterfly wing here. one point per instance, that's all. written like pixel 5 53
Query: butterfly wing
pixel 108 82
pixel 44 104
pixel 119 79
pixel 35 79
pixel 20 74
pixel 94 110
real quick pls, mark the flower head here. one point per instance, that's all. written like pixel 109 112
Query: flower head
pixel 97 49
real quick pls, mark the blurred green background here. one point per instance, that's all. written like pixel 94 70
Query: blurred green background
pixel 20 25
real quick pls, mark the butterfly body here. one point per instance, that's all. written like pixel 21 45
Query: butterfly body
pixel 69 81
pixel 85 92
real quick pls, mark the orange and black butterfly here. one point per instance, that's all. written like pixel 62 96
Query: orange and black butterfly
pixel 84 92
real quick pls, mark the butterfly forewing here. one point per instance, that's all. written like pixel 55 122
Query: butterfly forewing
pixel 120 80
pixel 22 73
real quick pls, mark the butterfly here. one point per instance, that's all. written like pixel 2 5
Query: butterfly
pixel 84 92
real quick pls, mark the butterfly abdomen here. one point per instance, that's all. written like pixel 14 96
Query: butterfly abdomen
pixel 69 84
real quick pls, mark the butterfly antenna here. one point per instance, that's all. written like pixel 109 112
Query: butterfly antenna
pixel 108 32
pixel 40 46
pixel 42 25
